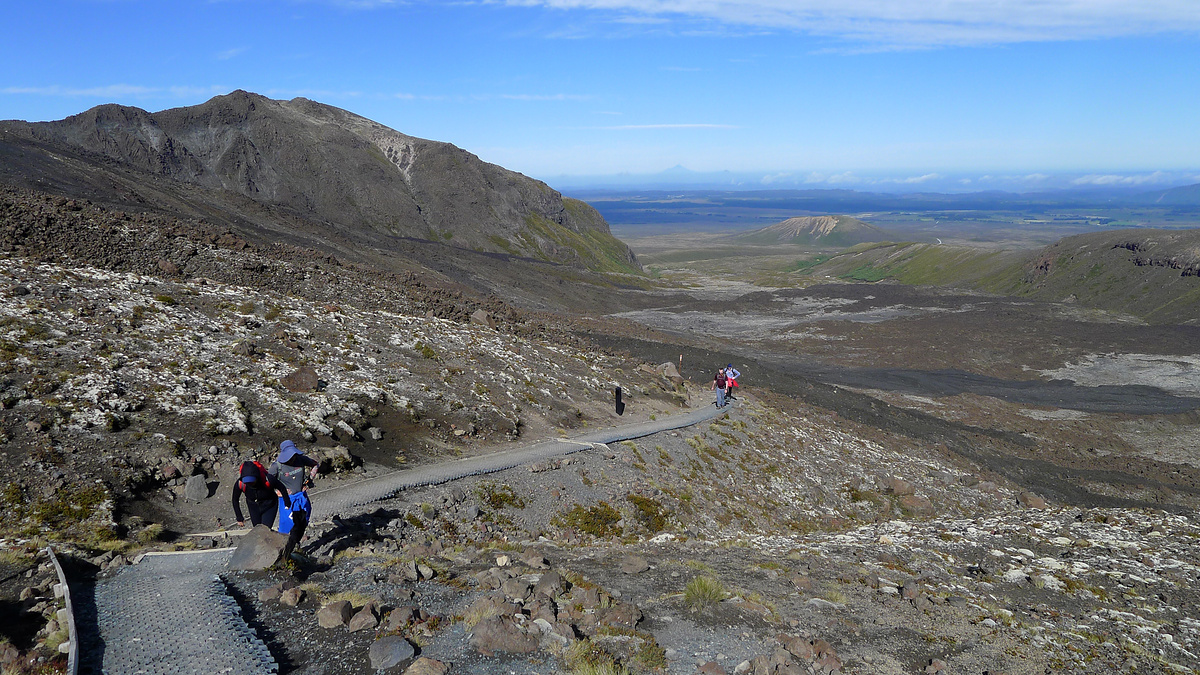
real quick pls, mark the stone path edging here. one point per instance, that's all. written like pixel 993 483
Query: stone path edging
pixel 72 633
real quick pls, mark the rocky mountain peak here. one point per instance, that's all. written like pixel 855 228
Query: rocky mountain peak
pixel 253 161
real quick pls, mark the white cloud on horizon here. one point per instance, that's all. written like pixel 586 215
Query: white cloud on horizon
pixel 1115 179
pixel 896 23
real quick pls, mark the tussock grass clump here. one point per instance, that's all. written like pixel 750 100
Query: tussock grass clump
pixel 150 534
pixel 586 658
pixel 704 592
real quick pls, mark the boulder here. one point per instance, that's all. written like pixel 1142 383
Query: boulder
pixel 634 564
pixel 550 585
pixel 797 646
pixel 301 380
pixel 502 634
pixel 711 668
pixel 482 318
pixel 918 505
pixel 670 372
pixel 258 550
pixel 167 267
pixel 899 487
pixel 427 666
pixel 334 614
pixel 197 489
pixel 364 619
pixel 269 593
pixel 1031 500
pixel 389 652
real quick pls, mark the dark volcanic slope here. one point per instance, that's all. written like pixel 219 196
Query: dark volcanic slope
pixel 307 172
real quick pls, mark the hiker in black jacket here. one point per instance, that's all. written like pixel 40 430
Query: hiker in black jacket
pixel 262 495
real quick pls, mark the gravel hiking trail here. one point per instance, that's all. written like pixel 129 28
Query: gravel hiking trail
pixel 171 614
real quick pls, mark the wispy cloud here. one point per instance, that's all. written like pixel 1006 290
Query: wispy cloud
pixel 112 91
pixel 897 23
pixel 912 180
pixel 632 127
pixel 546 97
pixel 231 53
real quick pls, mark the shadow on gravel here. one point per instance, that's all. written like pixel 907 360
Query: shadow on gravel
pixel 261 628
pixel 81 577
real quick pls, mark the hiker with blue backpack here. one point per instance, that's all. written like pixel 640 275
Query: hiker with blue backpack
pixel 295 471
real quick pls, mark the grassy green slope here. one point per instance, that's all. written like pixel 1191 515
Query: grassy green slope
pixel 1152 274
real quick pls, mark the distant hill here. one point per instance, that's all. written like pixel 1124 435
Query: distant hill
pixel 1187 195
pixel 307 173
pixel 829 230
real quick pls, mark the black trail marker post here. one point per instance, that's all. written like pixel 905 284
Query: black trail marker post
pixel 620 403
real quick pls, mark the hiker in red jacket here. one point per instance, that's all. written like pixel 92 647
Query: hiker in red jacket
pixel 261 495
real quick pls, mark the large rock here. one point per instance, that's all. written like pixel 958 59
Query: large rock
pixel 197 489
pixel 634 564
pixel 899 487
pixel 550 585
pixel 301 380
pixel 482 318
pixel 258 550
pixel 1031 500
pixel 364 619
pixel 502 634
pixel 918 505
pixel 670 372
pixel 389 652
pixel 335 614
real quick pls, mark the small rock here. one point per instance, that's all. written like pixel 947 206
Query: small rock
pixel 711 668
pixel 427 666
pixel 935 666
pixel 375 433
pixel 197 489
pixel 291 597
pixel 334 615
pixel 389 652
pixel 269 594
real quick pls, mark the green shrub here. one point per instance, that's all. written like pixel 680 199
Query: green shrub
pixel 498 496
pixel 599 521
pixel 649 512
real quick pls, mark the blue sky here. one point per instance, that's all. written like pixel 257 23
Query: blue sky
pixel 847 93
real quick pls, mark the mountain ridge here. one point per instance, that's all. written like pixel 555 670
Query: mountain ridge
pixel 248 160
